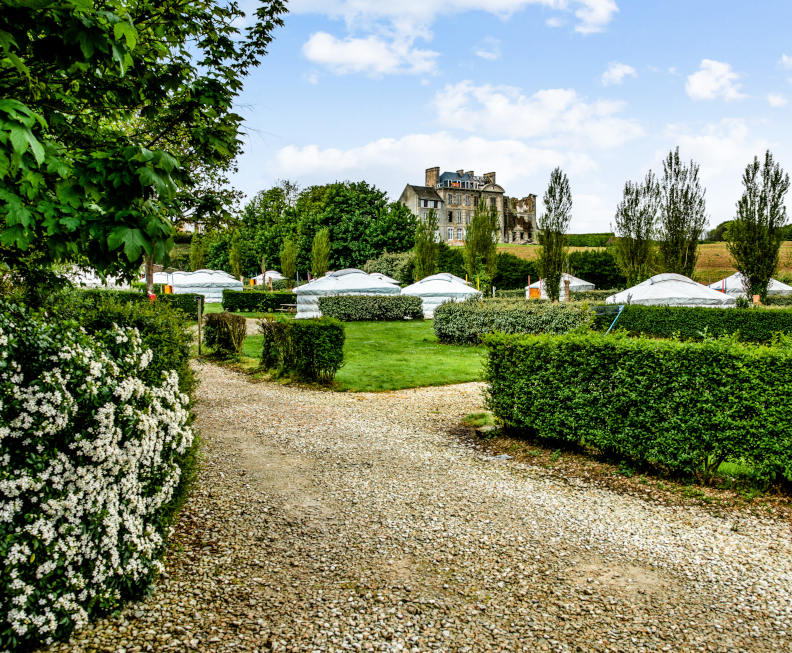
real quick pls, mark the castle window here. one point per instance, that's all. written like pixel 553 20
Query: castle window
pixel 459 217
pixel 450 216
pixel 450 233
pixel 467 217
pixel 459 234
pixel 493 203
pixel 467 200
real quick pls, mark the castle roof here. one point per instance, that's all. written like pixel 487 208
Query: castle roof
pixel 426 192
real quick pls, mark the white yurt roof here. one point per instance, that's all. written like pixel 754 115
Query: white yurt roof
pixel 269 275
pixel 669 289
pixel 733 286
pixel 575 285
pixel 438 289
pixel 384 277
pixel 209 283
pixel 350 281
pixel 90 279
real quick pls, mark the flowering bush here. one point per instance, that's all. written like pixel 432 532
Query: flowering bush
pixel 89 463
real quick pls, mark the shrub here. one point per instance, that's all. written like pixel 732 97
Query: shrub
pixel 517 293
pixel 451 260
pixel 590 240
pixel 91 456
pixel 464 323
pixel 225 333
pixel 188 303
pixel 357 308
pixel 95 295
pixel 779 300
pixel 598 267
pixel 513 272
pixel 250 301
pixel 682 406
pixel 396 266
pixel 592 296
pixel 752 325
pixel 312 350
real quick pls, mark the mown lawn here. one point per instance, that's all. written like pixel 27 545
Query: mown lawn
pixel 396 355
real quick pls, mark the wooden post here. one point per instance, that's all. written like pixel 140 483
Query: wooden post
pixel 200 311
pixel 566 290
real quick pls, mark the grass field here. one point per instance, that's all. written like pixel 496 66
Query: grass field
pixel 714 261
pixel 395 355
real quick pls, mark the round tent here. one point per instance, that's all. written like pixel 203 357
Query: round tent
pixel 384 277
pixel 575 285
pixel 343 282
pixel 438 289
pixel 269 275
pixel 671 289
pixel 209 283
pixel 733 286
pixel 87 278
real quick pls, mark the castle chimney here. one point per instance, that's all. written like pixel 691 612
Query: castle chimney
pixel 432 177
pixel 460 172
pixel 469 173
pixel 489 177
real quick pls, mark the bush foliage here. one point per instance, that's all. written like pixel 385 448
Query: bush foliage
pixel 93 442
pixel 225 333
pixel 598 267
pixel 513 272
pixel 464 323
pixel 695 323
pixel 188 303
pixel 311 350
pixel 684 407
pixel 379 308
pixel 253 301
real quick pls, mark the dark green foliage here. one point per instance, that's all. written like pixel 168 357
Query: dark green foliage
pixel 95 295
pixel 288 258
pixel 397 266
pixel 636 219
pixel 754 236
pixel 513 272
pixel 590 240
pixel 692 323
pixel 371 308
pixel 255 301
pixel 451 260
pixel 591 296
pixel 426 247
pixel 553 225
pixel 480 250
pixel 683 407
pixel 718 234
pixel 188 303
pixel 183 237
pixel 598 267
pixel 464 323
pixel 779 300
pixel 225 333
pixel 197 253
pixel 516 293
pixel 311 350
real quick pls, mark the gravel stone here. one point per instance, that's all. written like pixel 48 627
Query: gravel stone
pixel 336 521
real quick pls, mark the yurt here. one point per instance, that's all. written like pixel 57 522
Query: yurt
pixel 86 278
pixel 342 282
pixel 384 277
pixel 671 289
pixel 438 289
pixel 269 275
pixel 733 286
pixel 209 283
pixel 575 285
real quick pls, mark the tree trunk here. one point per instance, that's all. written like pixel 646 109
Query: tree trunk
pixel 149 263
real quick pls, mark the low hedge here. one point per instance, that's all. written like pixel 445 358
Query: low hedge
pixel 255 301
pixel 311 350
pixel 187 302
pixel 591 295
pixel 681 406
pixel 689 323
pixel 95 295
pixel 225 333
pixel 358 308
pixel 464 323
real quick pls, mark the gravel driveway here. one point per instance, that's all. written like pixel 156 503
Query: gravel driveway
pixel 325 521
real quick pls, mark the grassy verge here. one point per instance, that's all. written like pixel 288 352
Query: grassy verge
pixel 395 355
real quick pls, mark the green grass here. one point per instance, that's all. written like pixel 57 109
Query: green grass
pixel 396 355
pixel 218 308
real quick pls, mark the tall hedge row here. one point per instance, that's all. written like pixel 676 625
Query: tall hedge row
pixel 464 323
pixel 682 406
pixel 311 350
pixel 255 301
pixel 357 308
pixel 692 323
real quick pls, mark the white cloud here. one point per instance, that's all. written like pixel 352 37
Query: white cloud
pixel 552 116
pixel 785 61
pixel 714 79
pixel 554 22
pixel 488 48
pixel 411 15
pixel 312 78
pixel 775 100
pixel 371 55
pixel 616 73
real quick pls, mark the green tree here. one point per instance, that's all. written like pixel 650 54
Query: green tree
pixel 682 214
pixel 320 253
pixel 197 252
pixel 718 234
pixel 425 250
pixel 288 257
pixel 553 225
pixel 755 235
pixel 111 116
pixel 636 220
pixel 235 255
pixel 480 251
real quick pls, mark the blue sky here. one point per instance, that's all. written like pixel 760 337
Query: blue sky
pixel 380 90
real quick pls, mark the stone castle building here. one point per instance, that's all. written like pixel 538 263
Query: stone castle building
pixel 454 196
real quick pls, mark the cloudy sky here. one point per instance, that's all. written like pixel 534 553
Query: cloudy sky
pixel 379 90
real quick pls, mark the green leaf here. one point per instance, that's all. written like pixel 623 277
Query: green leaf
pixel 128 31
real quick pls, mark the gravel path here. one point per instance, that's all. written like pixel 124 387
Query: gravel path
pixel 327 521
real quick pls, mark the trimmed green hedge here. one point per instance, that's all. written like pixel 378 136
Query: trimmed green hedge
pixel 187 302
pixel 383 308
pixel 225 333
pixel 592 296
pixel 255 301
pixel 752 325
pixel 681 406
pixel 311 350
pixel 464 323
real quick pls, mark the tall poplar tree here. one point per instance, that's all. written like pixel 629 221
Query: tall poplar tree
pixel 481 255
pixel 320 253
pixel 636 220
pixel 553 225
pixel 754 236
pixel 426 248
